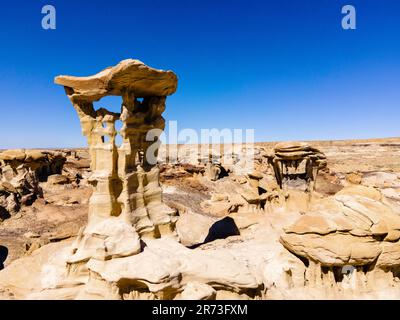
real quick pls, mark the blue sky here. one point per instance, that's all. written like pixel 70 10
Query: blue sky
pixel 285 68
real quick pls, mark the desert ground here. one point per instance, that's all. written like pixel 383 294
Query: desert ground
pixel 298 237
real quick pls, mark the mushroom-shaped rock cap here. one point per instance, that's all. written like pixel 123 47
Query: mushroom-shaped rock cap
pixel 292 146
pixel 131 75
pixel 297 150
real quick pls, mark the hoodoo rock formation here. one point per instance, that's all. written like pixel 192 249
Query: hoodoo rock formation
pixel 289 156
pixel 126 203
pixel 303 222
pixel 356 230
pixel 20 173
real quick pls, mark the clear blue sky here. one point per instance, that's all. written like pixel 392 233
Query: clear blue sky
pixel 285 68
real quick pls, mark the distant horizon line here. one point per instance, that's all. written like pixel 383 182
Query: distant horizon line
pixel 256 142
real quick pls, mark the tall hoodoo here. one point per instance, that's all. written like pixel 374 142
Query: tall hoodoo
pixel 126 196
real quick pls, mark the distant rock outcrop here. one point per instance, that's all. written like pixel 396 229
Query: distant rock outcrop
pixel 291 155
pixel 20 174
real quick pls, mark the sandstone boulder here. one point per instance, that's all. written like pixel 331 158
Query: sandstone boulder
pixel 57 179
pixel 354 227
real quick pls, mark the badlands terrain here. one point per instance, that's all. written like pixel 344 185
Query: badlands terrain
pixel 238 235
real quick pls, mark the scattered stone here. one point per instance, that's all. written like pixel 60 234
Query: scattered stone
pixel 354 178
pixel 198 291
pixel 57 179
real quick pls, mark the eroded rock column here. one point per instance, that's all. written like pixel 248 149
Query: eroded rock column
pixel 127 198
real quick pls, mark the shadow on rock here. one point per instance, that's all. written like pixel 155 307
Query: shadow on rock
pixel 221 229
pixel 3 256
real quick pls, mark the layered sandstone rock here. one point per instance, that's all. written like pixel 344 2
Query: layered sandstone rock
pixel 288 245
pixel 354 229
pixel 129 75
pixel 20 174
pixel 241 237
pixel 252 193
pixel 164 269
pixel 288 157
pixel 126 200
